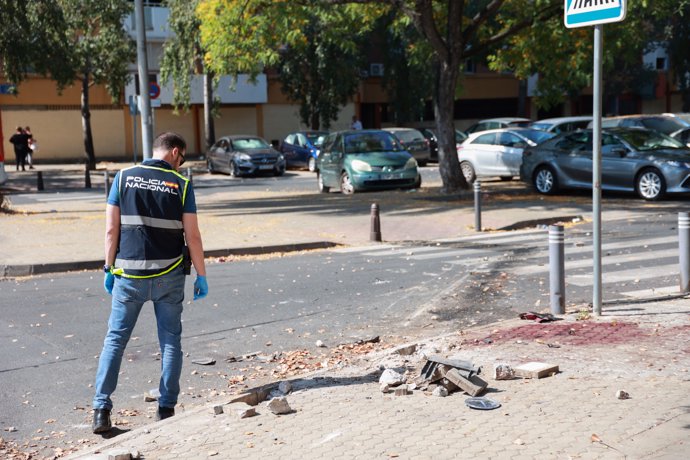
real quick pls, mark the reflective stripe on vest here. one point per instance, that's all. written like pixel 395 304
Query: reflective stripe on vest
pixel 151 222
pixel 151 230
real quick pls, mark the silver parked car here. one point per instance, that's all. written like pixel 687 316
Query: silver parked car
pixel 243 155
pixel 633 159
pixel 673 126
pixel 414 142
pixel 560 125
pixel 497 152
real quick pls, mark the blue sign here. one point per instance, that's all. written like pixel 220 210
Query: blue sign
pixel 154 90
pixel 580 13
pixel 133 105
pixel 7 88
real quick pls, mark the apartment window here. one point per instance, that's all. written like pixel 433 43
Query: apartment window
pixel 148 19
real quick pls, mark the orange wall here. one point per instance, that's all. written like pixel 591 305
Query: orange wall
pixel 40 91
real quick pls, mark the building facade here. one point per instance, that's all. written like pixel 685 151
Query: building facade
pixel 258 107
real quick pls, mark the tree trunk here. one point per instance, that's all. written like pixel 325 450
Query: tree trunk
pixel 315 120
pixel 444 103
pixel 209 125
pixel 86 123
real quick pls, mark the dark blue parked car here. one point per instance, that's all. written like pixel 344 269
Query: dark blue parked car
pixel 302 148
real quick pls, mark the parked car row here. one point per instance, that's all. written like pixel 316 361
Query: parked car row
pixel 552 155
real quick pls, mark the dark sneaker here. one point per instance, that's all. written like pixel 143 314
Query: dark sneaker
pixel 164 412
pixel 101 421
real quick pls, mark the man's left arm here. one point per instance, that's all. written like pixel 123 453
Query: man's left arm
pixel 192 235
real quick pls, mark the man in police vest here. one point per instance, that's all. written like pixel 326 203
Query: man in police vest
pixel 150 220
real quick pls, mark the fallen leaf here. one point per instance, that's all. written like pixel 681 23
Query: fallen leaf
pixel 595 438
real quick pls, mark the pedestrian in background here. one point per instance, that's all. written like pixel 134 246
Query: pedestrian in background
pixel 21 146
pixel 33 147
pixel 356 124
pixel 150 215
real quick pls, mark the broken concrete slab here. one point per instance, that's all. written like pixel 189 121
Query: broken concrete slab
pixel 503 372
pixel 391 377
pixel 406 350
pixel 152 395
pixel 473 385
pixel 440 392
pixel 402 390
pixel 242 410
pixel 119 454
pixel 279 406
pixel 535 370
pixel 285 387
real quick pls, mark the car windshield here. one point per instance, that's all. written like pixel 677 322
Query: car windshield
pixel 542 126
pixel 249 143
pixel 316 138
pixel 460 136
pixel 666 125
pixel 536 135
pixel 366 142
pixel 644 140
pixel 409 135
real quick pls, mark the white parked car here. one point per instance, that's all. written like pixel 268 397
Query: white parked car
pixel 498 123
pixel 497 152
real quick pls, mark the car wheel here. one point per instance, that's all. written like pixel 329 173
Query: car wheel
pixel 650 185
pixel 234 170
pixel 468 172
pixel 322 188
pixel 422 162
pixel 545 180
pixel 209 165
pixel 506 178
pixel 312 164
pixel 278 172
pixel 346 186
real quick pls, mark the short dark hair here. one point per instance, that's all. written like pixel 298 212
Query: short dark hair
pixel 168 141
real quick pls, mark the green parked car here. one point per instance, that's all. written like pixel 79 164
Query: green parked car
pixel 365 160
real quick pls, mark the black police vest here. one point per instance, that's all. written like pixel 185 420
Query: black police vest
pixel 151 233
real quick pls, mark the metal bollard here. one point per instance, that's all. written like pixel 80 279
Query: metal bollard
pixel 477 206
pixel 375 233
pixel 106 177
pixel 557 269
pixel 684 250
pixel 87 176
pixel 189 175
pixel 39 180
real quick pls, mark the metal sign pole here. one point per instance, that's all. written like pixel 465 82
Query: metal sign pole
pixel 596 171
pixel 134 110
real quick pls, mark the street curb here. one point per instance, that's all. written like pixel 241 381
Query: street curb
pixel 11 271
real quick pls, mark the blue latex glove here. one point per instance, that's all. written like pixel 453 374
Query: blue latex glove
pixel 200 287
pixel 108 282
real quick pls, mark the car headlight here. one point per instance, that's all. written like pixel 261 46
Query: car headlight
pixel 361 166
pixel 281 157
pixel 244 157
pixel 411 163
pixel 678 164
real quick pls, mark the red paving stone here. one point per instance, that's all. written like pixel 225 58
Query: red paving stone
pixel 580 333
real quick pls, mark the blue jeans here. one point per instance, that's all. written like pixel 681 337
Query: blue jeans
pixel 129 295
